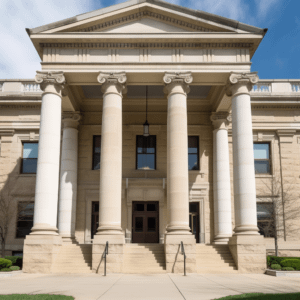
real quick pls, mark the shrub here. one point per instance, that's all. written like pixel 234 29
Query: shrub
pixel 277 260
pixel 288 269
pixel 15 268
pixel 16 260
pixel 5 270
pixel 5 263
pixel 276 267
pixel 290 262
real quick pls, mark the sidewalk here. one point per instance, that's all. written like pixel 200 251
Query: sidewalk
pixel 158 287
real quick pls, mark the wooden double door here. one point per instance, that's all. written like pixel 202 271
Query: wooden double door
pixel 145 222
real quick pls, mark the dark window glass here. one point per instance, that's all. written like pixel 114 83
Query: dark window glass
pixel 139 224
pixel 193 152
pixel 151 207
pixel 96 151
pixel 139 207
pixel 262 158
pixel 29 158
pixel 194 207
pixel 146 152
pixel 151 224
pixel 265 219
pixel 24 219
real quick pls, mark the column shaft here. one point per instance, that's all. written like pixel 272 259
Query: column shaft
pixel 68 177
pixel 47 176
pixel 243 158
pixel 221 180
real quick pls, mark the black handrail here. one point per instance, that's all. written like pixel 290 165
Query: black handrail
pixel 184 256
pixel 104 256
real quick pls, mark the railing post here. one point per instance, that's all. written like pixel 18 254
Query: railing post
pixel 184 258
pixel 105 253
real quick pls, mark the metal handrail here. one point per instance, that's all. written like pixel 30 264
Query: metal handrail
pixel 184 256
pixel 104 256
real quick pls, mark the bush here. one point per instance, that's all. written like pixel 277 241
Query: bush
pixel 5 270
pixel 288 269
pixel 5 263
pixel 15 268
pixel 277 260
pixel 16 260
pixel 276 267
pixel 290 262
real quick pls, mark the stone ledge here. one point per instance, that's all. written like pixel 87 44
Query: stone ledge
pixel 283 273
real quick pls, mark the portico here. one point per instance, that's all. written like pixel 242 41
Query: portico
pixel 93 76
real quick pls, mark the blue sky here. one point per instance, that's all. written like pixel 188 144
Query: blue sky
pixel 278 56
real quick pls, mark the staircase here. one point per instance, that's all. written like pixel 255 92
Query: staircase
pixel 214 259
pixel 144 259
pixel 73 258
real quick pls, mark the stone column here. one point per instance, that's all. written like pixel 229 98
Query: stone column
pixel 113 87
pixel 177 88
pixel 68 177
pixel 43 243
pixel 221 179
pixel 247 246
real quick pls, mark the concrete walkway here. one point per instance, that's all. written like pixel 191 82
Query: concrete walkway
pixel 158 287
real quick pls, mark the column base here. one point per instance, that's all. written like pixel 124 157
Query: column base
pixel 249 253
pixel 43 229
pixel 246 230
pixel 68 240
pixel 221 239
pixel 114 259
pixel 40 252
pixel 174 258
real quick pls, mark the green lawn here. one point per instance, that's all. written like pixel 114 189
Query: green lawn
pixel 257 296
pixel 35 297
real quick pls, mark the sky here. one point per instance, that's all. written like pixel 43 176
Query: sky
pixel 278 56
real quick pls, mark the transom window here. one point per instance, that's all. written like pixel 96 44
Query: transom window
pixel 24 218
pixel 146 152
pixel 29 158
pixel 265 219
pixel 262 161
pixel 96 151
pixel 193 152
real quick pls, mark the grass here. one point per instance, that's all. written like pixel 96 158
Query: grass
pixel 35 297
pixel 258 296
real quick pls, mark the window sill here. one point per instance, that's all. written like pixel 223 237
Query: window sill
pixel 197 172
pixel 27 175
pixel 263 176
pixel 145 170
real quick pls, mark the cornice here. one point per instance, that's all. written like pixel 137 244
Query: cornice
pixel 9 106
pixel 282 106
pixel 143 14
pixel 148 45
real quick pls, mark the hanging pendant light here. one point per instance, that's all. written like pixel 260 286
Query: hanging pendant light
pixel 146 124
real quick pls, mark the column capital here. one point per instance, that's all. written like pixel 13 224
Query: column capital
pixel 220 119
pixel 113 82
pixel 71 119
pixel 240 83
pixel 175 80
pixel 52 82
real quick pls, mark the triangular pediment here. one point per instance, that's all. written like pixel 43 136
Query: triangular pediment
pixel 152 16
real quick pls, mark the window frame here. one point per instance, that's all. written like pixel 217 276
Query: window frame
pixel 17 218
pixel 27 142
pixel 94 153
pixel 136 154
pixel 269 160
pixel 198 152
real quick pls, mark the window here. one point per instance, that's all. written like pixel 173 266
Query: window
pixel 262 162
pixel 146 152
pixel 96 151
pixel 24 218
pixel 193 152
pixel 265 219
pixel 29 160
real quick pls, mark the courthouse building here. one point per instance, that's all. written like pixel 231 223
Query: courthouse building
pixel 146 128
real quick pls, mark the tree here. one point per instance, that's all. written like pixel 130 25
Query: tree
pixel 277 209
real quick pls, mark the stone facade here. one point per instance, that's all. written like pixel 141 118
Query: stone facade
pixel 199 88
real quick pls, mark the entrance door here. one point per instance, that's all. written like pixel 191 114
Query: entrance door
pixel 145 224
pixel 95 218
pixel 194 220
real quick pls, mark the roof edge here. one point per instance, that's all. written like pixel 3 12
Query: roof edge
pixel 196 13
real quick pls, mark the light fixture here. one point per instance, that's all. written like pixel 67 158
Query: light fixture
pixel 146 124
